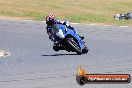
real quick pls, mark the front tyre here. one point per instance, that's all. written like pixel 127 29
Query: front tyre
pixel 74 46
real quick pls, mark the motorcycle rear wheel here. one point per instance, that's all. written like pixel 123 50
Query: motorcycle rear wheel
pixel 85 50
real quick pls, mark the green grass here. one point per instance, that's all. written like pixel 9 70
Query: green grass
pixel 82 11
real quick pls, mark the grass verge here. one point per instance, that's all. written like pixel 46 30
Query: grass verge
pixel 82 11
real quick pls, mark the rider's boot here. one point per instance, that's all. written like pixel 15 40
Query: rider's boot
pixel 56 47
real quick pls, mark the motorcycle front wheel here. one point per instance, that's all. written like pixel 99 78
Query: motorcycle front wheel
pixel 74 46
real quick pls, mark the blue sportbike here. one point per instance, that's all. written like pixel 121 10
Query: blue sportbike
pixel 67 39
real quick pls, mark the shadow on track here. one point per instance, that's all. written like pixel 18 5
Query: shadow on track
pixel 59 55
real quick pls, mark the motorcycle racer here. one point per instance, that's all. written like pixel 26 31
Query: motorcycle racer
pixel 53 31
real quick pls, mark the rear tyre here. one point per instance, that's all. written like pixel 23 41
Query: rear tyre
pixel 74 46
pixel 85 50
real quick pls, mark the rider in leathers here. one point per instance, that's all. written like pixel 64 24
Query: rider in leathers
pixel 52 28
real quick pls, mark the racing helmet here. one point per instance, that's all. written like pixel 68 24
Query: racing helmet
pixel 50 20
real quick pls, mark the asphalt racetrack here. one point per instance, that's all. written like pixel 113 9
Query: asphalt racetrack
pixel 33 63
